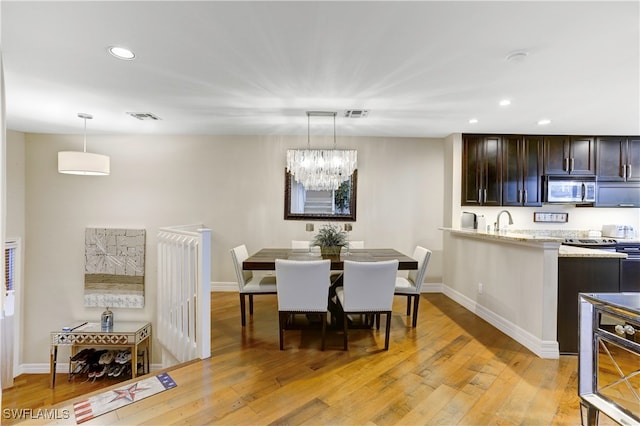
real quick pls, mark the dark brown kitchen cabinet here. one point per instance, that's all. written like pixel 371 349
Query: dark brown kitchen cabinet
pixel 521 170
pixel 618 159
pixel 581 275
pixel 481 170
pixel 569 155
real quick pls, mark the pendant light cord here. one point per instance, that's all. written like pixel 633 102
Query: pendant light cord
pixel 85 134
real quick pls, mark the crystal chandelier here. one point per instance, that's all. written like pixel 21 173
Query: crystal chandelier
pixel 321 169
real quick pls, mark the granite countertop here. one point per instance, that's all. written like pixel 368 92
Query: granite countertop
pixel 570 251
pixel 505 236
pixel 517 237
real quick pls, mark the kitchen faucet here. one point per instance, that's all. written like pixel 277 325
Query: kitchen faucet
pixel 497 224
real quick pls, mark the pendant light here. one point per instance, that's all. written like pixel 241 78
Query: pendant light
pixel 321 169
pixel 83 163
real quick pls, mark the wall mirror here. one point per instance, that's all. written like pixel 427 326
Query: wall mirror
pixel 337 205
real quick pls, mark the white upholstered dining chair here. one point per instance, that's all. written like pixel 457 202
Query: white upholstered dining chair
pixel 410 286
pixel 248 284
pixel 303 288
pixel 368 288
pixel 304 244
pixel 357 244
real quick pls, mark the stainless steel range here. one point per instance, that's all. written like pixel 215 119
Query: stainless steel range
pixel 594 243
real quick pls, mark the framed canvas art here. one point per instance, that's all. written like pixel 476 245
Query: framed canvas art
pixel 114 268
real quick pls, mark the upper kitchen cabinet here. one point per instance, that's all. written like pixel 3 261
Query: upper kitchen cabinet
pixel 521 170
pixel 618 159
pixel 569 155
pixel 481 170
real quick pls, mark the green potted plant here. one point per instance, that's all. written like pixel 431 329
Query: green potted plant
pixel 330 238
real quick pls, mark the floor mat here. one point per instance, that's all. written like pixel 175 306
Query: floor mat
pixel 108 401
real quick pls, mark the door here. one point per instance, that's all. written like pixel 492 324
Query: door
pixel 582 158
pixel 532 170
pixel 556 155
pixel 522 169
pixel 491 172
pixel 633 159
pixel 481 172
pixel 573 155
pixel 612 153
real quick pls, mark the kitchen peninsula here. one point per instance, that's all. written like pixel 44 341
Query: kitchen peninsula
pixel 511 281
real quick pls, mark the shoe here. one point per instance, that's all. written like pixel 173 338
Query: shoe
pixel 123 357
pixel 93 369
pixel 94 357
pixel 118 370
pixel 106 358
pixel 78 367
pixel 83 354
pixel 112 369
pixel 102 369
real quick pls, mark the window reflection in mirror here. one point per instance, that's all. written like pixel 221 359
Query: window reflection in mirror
pixel 302 204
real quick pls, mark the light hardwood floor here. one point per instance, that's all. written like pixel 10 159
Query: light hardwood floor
pixel 453 369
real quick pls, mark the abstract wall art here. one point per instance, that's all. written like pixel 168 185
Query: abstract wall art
pixel 114 268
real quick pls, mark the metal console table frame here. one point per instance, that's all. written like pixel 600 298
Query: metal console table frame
pixel 123 335
pixel 609 357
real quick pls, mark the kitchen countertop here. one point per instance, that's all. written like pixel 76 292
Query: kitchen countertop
pixel 516 237
pixel 504 236
pixel 570 251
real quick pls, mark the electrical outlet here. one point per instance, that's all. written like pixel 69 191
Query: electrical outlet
pixel 480 288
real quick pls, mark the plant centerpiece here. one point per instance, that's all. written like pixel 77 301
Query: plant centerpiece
pixel 331 239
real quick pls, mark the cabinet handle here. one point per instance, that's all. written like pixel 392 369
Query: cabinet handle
pixel 518 197
pixel 629 172
pixel 480 196
pixel 572 164
pixel 525 197
pixel 485 195
pixel 624 171
pixel 566 164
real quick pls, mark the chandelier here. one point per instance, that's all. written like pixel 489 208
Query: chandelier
pixel 321 169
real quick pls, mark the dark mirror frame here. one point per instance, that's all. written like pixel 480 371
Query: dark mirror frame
pixel 351 217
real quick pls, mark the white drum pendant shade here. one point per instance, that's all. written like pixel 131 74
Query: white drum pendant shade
pixel 83 163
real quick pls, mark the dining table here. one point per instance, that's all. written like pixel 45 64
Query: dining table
pixel 265 259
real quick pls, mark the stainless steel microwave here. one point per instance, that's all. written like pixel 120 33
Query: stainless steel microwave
pixel 569 191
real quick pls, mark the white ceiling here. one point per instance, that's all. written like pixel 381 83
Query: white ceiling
pixel 423 69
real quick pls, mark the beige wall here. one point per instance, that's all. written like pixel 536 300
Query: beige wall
pixel 234 185
pixel 15 162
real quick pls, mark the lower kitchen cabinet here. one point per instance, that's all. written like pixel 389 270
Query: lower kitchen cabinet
pixel 581 275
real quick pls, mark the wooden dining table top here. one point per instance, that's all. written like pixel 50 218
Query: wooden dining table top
pixel 265 259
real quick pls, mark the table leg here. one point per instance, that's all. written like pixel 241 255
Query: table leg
pixel 147 352
pixel 53 356
pixel 134 361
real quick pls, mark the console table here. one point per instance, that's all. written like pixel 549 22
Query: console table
pixel 609 357
pixel 123 334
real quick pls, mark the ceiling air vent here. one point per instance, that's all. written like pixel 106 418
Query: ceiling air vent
pixel 356 113
pixel 144 116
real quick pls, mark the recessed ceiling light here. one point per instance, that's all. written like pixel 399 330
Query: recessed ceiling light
pixel 121 53
pixel 473 121
pixel 544 122
pixel 505 102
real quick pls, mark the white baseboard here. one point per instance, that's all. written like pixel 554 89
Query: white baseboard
pixel 542 348
pixel 61 368
pixel 224 286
